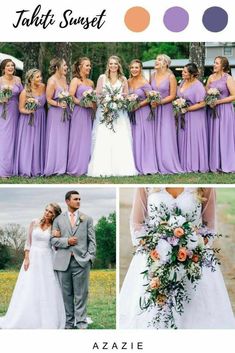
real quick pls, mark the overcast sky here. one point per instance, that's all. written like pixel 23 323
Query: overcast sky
pixel 22 204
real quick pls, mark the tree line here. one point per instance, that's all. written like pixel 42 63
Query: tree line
pixel 39 54
pixel 13 236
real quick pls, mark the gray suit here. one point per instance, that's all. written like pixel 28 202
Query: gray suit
pixel 73 263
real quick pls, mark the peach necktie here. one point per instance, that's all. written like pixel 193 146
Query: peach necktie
pixel 72 219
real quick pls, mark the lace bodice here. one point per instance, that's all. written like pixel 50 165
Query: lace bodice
pixel 146 200
pixel 187 201
pixel 120 84
pixel 37 237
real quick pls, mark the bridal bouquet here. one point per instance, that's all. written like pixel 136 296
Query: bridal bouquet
pixel 5 95
pixel 132 103
pixel 180 106
pixel 111 102
pixel 212 96
pixel 31 104
pixel 64 97
pixel 153 97
pixel 176 251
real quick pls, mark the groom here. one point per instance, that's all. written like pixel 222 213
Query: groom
pixel 74 237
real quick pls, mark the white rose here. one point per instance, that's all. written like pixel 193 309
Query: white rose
pixel 113 106
pixel 192 242
pixel 177 220
pixel 164 250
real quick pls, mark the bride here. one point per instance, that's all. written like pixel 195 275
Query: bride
pixel 209 307
pixel 112 153
pixel 37 301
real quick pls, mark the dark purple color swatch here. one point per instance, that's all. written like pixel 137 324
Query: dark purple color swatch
pixel 215 19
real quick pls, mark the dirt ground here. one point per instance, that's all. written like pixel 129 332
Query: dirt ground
pixel 227 243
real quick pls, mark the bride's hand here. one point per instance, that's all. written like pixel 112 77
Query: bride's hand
pixel 56 233
pixel 26 264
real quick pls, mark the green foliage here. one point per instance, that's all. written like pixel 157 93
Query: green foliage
pixel 106 242
pixel 5 256
pixel 174 50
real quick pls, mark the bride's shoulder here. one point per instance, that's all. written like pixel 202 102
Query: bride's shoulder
pixel 153 190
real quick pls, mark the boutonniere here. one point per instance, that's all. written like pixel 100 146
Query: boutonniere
pixel 80 220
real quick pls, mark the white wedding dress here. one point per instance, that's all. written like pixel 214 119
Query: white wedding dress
pixel 111 152
pixel 37 301
pixel 209 307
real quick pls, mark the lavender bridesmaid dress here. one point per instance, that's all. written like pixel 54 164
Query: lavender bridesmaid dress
pixel 80 137
pixel 193 139
pixel 57 139
pixel 30 145
pixel 8 129
pixel 166 138
pixel 143 136
pixel 222 132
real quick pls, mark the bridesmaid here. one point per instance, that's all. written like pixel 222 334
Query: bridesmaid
pixel 192 139
pixel 143 128
pixel 30 145
pixel 81 121
pixel 57 134
pixel 222 127
pixel 9 121
pixel 164 81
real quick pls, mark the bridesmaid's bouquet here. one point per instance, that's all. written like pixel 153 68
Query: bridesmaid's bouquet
pixel 132 103
pixel 5 95
pixel 31 104
pixel 212 96
pixel 180 106
pixel 176 252
pixel 88 98
pixel 111 102
pixel 64 97
pixel 152 97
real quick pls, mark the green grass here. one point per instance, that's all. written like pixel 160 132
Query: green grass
pixel 189 178
pixel 101 303
pixel 226 199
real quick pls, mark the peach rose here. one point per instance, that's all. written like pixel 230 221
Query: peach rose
pixel 155 283
pixel 154 255
pixel 142 242
pixel 195 258
pixel 182 254
pixel 161 299
pixel 178 232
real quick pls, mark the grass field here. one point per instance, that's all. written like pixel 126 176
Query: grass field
pixel 190 178
pixel 102 296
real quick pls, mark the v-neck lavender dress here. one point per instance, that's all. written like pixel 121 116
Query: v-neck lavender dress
pixel 222 131
pixel 193 139
pixel 167 151
pixel 80 137
pixel 30 145
pixel 143 136
pixel 57 140
pixel 8 130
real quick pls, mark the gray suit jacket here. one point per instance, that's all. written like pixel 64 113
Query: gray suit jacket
pixel 84 251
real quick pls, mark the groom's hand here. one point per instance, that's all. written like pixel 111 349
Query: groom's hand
pixel 72 240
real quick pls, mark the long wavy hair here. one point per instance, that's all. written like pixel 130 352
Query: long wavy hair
pixel 120 70
pixel 77 67
pixel 57 212
pixel 4 63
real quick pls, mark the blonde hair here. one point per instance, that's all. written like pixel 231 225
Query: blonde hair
pixel 165 58
pixel 120 70
pixel 57 211
pixel 28 80
pixel 55 64
pixel 138 62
